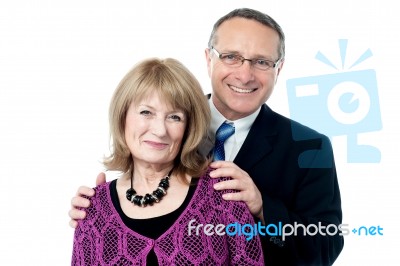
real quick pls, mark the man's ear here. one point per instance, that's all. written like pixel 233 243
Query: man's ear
pixel 208 59
pixel 279 70
pixel 280 66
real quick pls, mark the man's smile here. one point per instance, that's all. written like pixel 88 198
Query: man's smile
pixel 240 90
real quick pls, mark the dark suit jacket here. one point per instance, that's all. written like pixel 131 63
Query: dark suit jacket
pixel 298 183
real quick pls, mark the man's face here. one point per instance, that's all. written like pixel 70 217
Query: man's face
pixel 240 91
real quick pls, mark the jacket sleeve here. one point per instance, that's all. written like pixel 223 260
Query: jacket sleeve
pixel 316 206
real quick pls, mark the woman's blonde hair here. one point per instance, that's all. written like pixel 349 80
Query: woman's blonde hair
pixel 178 87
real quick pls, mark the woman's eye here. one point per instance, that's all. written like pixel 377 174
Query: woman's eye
pixel 175 118
pixel 145 112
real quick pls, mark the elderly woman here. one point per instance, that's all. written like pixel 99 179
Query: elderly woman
pixel 162 210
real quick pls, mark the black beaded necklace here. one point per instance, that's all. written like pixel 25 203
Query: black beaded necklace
pixel 149 199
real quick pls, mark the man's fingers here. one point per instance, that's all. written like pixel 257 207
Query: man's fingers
pixel 79 202
pixel 76 214
pixel 233 196
pixel 228 184
pixel 101 179
pixel 73 223
pixel 225 171
pixel 85 191
pixel 241 182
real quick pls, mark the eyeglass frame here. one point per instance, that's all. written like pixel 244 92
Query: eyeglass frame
pixel 242 59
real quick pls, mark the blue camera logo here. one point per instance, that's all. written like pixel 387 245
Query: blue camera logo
pixel 344 103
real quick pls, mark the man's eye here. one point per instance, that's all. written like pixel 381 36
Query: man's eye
pixel 263 62
pixel 230 57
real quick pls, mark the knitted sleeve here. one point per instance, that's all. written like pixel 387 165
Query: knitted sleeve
pixel 243 241
pixel 100 238
pixel 84 249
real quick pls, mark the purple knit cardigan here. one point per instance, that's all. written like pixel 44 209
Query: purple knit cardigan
pixel 103 239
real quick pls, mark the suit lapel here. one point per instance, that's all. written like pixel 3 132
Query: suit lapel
pixel 257 143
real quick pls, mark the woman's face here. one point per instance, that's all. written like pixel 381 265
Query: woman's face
pixel 154 131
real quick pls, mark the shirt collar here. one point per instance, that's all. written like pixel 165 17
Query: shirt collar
pixel 242 125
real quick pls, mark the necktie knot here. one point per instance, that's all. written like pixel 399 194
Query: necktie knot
pixel 223 133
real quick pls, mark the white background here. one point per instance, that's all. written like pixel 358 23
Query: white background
pixel 61 60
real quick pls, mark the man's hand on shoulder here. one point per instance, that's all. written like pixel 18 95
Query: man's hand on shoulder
pixel 247 191
pixel 78 201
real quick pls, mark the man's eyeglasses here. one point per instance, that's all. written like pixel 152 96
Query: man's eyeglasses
pixel 236 60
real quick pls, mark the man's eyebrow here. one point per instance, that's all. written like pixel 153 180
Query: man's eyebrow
pixel 257 56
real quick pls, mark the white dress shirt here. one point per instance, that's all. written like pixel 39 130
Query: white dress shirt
pixel 242 127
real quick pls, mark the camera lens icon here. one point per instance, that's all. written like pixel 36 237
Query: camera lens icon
pixel 345 103
pixel 348 102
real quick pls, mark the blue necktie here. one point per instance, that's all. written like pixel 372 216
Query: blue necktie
pixel 223 133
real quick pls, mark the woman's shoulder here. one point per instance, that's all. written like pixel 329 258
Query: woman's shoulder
pixel 101 196
pixel 209 182
pixel 206 183
pixel 208 193
pixel 103 187
pixel 209 202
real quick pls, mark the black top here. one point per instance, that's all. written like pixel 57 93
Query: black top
pixel 152 227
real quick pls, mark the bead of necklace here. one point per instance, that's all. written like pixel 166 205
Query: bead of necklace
pixel 150 198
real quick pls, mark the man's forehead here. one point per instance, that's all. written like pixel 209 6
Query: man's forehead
pixel 247 36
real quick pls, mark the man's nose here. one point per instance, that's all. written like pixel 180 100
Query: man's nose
pixel 245 72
